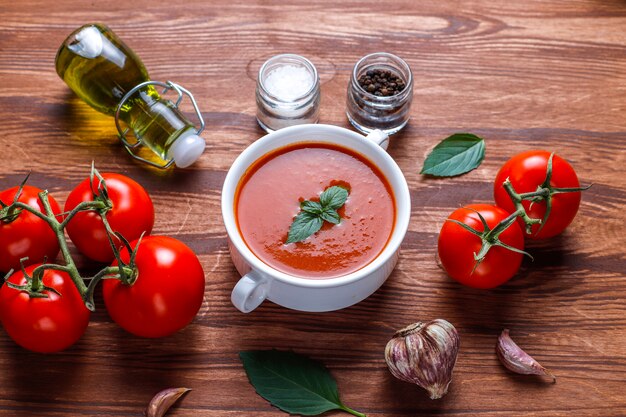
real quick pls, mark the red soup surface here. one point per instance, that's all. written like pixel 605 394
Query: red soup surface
pixel 269 195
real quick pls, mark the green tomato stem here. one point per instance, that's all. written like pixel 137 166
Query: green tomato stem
pixel 10 213
pixel 111 272
pixel 491 237
pixel 127 272
pixel 36 284
pixel 26 207
pixel 83 206
pixel 543 193
pixel 124 272
pixel 70 266
pixel 519 207
pixel 58 227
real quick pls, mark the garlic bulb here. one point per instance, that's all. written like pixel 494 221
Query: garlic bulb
pixel 424 354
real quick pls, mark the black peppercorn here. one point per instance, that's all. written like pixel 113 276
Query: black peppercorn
pixel 381 82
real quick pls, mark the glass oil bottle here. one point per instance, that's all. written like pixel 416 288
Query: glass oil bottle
pixel 111 78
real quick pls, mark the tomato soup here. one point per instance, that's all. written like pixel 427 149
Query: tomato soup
pixel 268 198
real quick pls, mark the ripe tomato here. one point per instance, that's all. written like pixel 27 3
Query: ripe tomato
pixel 168 291
pixel 43 324
pixel 527 171
pixel 457 247
pixel 28 235
pixel 132 214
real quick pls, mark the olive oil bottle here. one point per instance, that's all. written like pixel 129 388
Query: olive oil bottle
pixel 102 71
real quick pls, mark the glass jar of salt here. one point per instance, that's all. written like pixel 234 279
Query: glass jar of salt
pixel 287 92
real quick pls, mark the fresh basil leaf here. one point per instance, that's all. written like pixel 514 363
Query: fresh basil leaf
pixel 313 214
pixel 293 383
pixel 334 197
pixel 455 155
pixel 312 207
pixel 303 226
pixel 331 216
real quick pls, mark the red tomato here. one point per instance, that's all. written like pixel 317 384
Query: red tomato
pixel 527 171
pixel 457 247
pixel 28 235
pixel 43 324
pixel 168 291
pixel 132 214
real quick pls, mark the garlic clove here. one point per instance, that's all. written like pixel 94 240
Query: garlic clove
pixel 424 354
pixel 516 360
pixel 164 400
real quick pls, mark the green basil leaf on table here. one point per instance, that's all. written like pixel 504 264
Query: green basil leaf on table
pixel 455 155
pixel 294 383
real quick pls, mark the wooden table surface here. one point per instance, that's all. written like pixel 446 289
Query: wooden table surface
pixel 524 75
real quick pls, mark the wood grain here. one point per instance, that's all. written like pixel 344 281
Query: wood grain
pixel 535 74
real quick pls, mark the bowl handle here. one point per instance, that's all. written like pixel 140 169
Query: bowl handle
pixel 250 292
pixel 380 138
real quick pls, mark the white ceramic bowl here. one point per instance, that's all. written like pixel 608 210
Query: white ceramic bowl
pixel 260 281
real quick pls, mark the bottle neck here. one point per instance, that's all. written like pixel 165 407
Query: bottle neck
pixel 154 120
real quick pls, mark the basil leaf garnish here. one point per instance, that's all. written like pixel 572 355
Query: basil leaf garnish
pixel 313 214
pixel 303 226
pixel 331 216
pixel 334 197
pixel 312 207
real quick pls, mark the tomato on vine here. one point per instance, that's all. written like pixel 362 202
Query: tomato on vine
pixel 164 295
pixel 547 186
pixel 481 246
pixel 23 234
pixel 129 211
pixel 152 289
pixel 50 319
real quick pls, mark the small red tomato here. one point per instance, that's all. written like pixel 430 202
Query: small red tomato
pixel 527 171
pixel 27 235
pixel 168 291
pixel 457 247
pixel 43 324
pixel 132 214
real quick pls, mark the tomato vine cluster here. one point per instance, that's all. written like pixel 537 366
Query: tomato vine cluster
pixel 537 195
pixel 153 286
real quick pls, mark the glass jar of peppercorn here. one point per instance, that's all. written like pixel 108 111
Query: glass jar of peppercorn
pixel 380 93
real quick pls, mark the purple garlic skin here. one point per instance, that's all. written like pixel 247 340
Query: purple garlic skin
pixel 163 400
pixel 516 360
pixel 424 354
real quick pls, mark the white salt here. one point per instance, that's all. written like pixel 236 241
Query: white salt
pixel 288 82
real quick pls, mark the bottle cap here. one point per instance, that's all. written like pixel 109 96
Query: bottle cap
pixel 186 150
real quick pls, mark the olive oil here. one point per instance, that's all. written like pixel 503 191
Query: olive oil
pixel 101 70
